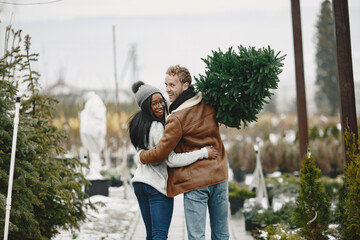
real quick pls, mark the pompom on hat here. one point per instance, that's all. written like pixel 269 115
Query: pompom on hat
pixel 143 91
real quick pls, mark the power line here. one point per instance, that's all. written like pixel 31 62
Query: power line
pixel 33 3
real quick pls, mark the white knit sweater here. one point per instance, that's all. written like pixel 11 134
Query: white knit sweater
pixel 156 174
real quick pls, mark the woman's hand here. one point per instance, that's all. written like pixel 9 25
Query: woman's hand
pixel 212 153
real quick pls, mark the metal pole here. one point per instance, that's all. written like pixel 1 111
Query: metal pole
pixel 300 84
pixel 12 166
pixel 115 73
pixel 117 106
pixel 345 70
pixel 124 169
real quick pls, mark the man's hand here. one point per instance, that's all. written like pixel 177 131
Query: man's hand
pixel 212 153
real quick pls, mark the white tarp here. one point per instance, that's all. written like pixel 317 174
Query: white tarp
pixel 258 182
pixel 93 132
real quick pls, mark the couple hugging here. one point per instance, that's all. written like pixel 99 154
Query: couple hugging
pixel 182 154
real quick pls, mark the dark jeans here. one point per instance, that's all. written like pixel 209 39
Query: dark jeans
pixel 156 210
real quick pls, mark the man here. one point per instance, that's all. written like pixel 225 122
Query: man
pixel 192 125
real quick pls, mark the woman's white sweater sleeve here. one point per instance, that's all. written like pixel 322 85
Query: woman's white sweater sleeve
pixel 176 159
pixel 184 159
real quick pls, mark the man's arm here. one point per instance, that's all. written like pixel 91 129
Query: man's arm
pixel 171 137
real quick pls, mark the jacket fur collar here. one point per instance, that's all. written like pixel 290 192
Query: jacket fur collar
pixel 189 103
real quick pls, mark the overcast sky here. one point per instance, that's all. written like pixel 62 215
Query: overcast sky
pixel 74 37
pixel 72 9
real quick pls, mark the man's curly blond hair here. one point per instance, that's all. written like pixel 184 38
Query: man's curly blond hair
pixel 182 73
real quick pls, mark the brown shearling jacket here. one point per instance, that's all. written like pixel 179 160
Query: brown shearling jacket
pixel 190 127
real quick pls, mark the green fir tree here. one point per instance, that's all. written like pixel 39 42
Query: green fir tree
pixel 239 83
pixel 47 189
pixel 312 211
pixel 349 196
pixel 327 94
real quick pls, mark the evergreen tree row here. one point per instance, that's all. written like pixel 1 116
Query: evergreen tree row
pixel 47 189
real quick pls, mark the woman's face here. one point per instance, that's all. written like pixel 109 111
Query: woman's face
pixel 157 105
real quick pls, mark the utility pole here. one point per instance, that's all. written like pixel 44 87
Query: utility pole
pixel 345 70
pixel 115 73
pixel 134 64
pixel 122 129
pixel 300 84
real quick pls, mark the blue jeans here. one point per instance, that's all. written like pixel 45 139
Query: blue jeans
pixel 196 202
pixel 156 210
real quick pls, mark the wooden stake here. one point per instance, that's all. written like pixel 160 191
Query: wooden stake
pixel 345 70
pixel 300 84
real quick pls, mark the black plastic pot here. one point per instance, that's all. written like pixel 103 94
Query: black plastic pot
pixel 115 182
pixel 250 225
pixel 99 187
pixel 239 175
pixel 235 205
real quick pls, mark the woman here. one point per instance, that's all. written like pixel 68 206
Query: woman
pixel 146 128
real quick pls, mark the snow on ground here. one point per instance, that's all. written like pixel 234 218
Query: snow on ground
pixel 111 222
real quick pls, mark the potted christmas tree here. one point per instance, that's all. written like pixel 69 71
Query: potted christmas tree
pixel 349 197
pixel 312 211
pixel 237 196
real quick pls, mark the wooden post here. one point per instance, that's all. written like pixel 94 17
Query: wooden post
pixel 300 84
pixel 344 67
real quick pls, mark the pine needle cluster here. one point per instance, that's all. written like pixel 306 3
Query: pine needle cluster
pixel 349 200
pixel 238 84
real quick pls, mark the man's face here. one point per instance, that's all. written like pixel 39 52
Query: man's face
pixel 174 87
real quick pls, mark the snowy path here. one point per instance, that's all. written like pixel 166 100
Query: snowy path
pixel 112 221
pixel 120 220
